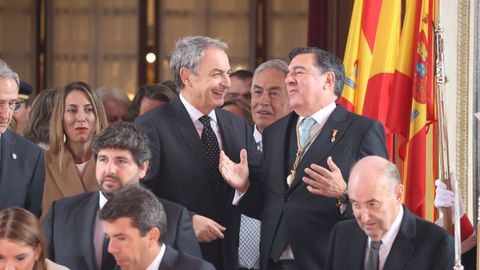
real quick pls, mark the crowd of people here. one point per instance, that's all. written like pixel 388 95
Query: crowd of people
pixel 243 170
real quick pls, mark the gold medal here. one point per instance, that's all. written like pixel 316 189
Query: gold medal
pixel 290 178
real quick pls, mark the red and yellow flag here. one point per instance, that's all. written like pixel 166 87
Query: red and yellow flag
pixel 411 110
pixel 370 57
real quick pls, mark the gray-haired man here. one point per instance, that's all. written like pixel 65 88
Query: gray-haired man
pixel 22 170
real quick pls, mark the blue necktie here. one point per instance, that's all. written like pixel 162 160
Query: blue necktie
pixel 306 129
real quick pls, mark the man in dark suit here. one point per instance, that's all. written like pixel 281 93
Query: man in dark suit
pixel 73 232
pixel 134 221
pixel 186 137
pixel 307 154
pixel 385 234
pixel 22 170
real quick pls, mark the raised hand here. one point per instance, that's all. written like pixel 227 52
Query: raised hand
pixel 325 182
pixel 235 174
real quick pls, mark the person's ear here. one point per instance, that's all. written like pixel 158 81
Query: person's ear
pixel 399 193
pixel 153 236
pixel 143 169
pixel 329 80
pixel 185 76
pixel 37 251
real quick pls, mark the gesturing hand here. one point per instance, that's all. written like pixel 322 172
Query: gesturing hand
pixel 322 181
pixel 235 174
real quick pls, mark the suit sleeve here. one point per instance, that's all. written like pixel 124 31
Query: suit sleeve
pixel 330 249
pixel 35 190
pixel 186 240
pixel 149 127
pixel 48 232
pixel 373 142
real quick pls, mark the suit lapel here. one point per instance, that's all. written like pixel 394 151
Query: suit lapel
pixel 7 155
pixel 169 259
pixel 356 253
pixel 85 218
pixel 181 120
pixel 226 128
pixel 402 250
pixel 335 127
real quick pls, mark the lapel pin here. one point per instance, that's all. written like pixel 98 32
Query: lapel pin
pixel 334 135
pixel 14 156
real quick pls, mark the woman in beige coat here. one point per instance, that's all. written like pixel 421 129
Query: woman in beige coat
pixel 77 116
pixel 22 246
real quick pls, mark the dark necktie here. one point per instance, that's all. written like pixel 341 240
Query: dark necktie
pixel 212 149
pixel 373 259
pixel 108 261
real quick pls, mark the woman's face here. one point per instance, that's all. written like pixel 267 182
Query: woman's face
pixel 16 256
pixel 78 117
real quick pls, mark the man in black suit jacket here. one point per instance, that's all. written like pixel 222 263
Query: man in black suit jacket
pixel 22 171
pixel 135 223
pixel 73 232
pixel 181 170
pixel 302 188
pixel 406 241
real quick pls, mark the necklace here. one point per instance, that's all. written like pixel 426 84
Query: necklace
pixel 299 154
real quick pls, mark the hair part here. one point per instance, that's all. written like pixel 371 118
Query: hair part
pixel 188 53
pixel 125 136
pixel 325 62
pixel 141 206
pixel 57 131
pixel 20 226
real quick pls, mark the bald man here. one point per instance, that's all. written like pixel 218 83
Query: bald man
pixel 385 235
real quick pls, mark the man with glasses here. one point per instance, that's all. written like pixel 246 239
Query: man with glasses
pixel 21 162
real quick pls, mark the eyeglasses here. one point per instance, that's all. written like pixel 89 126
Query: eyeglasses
pixel 13 105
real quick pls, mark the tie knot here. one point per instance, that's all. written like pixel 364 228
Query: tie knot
pixel 375 245
pixel 205 120
pixel 307 124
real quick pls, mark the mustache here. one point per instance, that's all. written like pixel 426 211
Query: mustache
pixel 110 178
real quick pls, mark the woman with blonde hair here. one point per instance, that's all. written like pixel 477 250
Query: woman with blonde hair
pixel 22 246
pixel 77 116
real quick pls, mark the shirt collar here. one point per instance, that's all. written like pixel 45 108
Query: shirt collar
pixel 257 135
pixel 155 265
pixel 391 234
pixel 193 112
pixel 322 115
pixel 102 200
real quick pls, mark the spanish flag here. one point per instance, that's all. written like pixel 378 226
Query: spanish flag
pixel 370 56
pixel 411 112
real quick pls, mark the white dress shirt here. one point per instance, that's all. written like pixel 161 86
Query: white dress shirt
pixel 257 136
pixel 158 259
pixel 320 117
pixel 387 240
pixel 195 114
